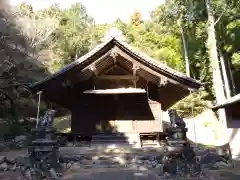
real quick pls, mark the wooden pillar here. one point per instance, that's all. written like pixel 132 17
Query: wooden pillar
pixel 135 68
pixel 160 113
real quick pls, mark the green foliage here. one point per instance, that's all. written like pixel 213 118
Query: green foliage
pixel 136 19
pixel 148 38
pixel 193 104
pixel 97 33
pixel 71 38
pixel 160 37
pixel 69 35
pixel 236 60
pixel 191 15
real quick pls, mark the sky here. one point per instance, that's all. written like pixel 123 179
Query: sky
pixel 103 11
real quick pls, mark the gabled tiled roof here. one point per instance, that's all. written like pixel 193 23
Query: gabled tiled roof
pixel 123 45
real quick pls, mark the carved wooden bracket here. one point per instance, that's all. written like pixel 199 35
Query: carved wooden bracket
pixel 162 81
pixel 114 55
pixel 93 69
pixel 135 68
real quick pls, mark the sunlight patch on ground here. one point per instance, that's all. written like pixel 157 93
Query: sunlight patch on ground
pixel 116 150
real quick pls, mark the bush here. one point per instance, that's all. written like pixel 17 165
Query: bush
pixel 193 104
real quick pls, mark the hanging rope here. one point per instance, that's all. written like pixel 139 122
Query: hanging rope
pixel 194 125
pixel 39 102
pixel 147 90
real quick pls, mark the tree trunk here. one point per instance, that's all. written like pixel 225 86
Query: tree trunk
pixel 215 67
pixel 187 66
pixel 185 52
pixel 225 76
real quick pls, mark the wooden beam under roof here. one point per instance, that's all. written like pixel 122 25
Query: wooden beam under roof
pixel 118 66
pixel 117 77
pixel 116 91
pixel 92 65
pixel 134 61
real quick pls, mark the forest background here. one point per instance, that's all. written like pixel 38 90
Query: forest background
pixel 35 44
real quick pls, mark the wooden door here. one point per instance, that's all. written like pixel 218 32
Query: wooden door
pixel 136 114
pixel 153 125
pixel 93 114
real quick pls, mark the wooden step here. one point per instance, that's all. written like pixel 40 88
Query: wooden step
pixel 108 134
pixel 149 143
pixel 109 138
pixel 109 141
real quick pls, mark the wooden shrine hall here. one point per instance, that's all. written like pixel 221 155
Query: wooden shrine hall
pixel 114 88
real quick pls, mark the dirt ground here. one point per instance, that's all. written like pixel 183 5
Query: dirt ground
pixel 108 173
pixel 228 174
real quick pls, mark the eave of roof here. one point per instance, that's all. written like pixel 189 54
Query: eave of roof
pixel 147 59
pixel 228 102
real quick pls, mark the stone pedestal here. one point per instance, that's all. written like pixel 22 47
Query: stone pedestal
pixel 43 149
pixel 179 153
pixel 176 139
pixel 176 136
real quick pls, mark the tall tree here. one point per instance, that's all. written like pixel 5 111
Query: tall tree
pixel 136 18
pixel 19 67
pixel 213 55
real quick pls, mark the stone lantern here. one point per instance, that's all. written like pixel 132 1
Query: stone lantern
pixel 43 149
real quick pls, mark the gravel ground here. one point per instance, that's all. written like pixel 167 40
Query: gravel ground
pixel 228 174
pixel 127 173
pixel 109 174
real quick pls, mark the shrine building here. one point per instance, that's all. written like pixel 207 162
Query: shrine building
pixel 115 88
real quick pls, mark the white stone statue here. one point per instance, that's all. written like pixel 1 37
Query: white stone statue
pixel 47 119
